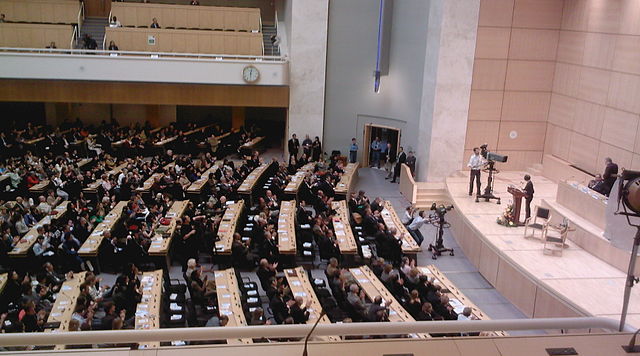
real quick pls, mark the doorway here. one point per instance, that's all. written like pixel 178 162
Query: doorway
pixel 386 134
pixel 97 8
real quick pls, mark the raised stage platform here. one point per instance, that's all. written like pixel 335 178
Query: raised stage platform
pixel 586 280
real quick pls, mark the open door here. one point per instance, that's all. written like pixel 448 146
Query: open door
pixel 384 133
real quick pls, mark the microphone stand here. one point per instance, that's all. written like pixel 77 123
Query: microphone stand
pixel 306 339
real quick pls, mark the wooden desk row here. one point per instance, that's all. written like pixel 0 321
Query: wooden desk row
pixel 348 179
pixel 22 248
pixel 230 302
pixel 300 286
pixel 41 11
pixel 585 202
pixel 252 179
pixel 250 146
pixel 287 228
pixel 228 227
pixel 296 180
pixel 41 187
pixel 456 298
pixel 391 219
pixel 373 287
pixel 196 187
pixel 93 186
pixel 28 35
pixel 147 184
pixel 161 240
pixel 186 16
pixel 149 309
pixel 342 228
pixel 119 31
pixel 91 245
pixel 65 304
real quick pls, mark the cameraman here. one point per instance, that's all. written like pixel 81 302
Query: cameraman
pixel 414 227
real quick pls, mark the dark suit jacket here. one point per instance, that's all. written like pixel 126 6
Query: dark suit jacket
pixel 610 174
pixel 294 146
pixel 528 188
pixel 402 158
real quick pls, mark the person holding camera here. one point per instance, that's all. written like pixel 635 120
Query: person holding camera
pixel 414 227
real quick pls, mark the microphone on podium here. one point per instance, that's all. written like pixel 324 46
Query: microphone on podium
pixel 306 339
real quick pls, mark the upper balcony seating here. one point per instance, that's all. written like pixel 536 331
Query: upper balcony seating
pixel 41 11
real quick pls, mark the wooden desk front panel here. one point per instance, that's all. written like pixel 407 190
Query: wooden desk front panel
pixel 391 219
pixel 186 41
pixel 41 11
pixel 228 226
pixel 149 309
pixel 579 199
pixel 249 183
pixel 91 245
pixel 200 17
pixel 24 35
pixel 159 244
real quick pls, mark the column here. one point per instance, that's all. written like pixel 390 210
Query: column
pixel 307 66
pixel 451 42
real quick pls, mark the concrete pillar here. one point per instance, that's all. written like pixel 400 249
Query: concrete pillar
pixel 307 66
pixel 451 42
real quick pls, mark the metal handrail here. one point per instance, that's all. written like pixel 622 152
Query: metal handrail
pixel 74 37
pixel 301 330
pixel 137 54
pixel 80 17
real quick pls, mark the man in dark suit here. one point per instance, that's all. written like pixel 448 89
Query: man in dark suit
pixel 528 189
pixel 609 176
pixel 294 147
pixel 402 158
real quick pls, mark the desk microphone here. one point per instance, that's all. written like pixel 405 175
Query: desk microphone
pixel 306 339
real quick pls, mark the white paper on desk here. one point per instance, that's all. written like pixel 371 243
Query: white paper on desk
pixel 225 305
pixel 340 233
pixel 142 313
pixel 84 249
pixel 220 247
pixel 356 271
pixel 176 316
pixel 217 274
pixel 455 302
pixel 459 309
pixel 142 320
pixel 338 225
pixel 226 312
pixel 363 280
pixel 284 239
pixel 64 302
pixel 66 288
pixel 226 295
pixel 392 312
pixel 174 306
pixel 299 294
pixel 173 295
pixel 296 283
pixel 55 315
pixel 143 306
pixel 222 286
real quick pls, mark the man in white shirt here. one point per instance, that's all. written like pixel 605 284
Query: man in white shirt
pixel 414 227
pixel 475 163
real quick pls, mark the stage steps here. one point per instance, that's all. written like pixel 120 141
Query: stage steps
pixel 428 193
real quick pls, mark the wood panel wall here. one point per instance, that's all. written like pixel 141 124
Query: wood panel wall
pixel 143 93
pixel 595 102
pixel 186 16
pixel 24 35
pixel 41 11
pixel 513 78
pixel 185 41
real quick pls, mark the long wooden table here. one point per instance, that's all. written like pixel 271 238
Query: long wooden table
pixel 91 245
pixel 22 248
pixel 585 202
pixel 4 277
pixel 249 183
pixel 391 219
pixel 228 227
pixel 40 187
pixel 287 228
pixel 296 180
pixel 300 286
pixel 456 298
pixel 373 287
pixel 251 145
pixel 65 304
pixel 147 184
pixel 93 186
pixel 149 309
pixel 196 187
pixel 342 228
pixel 348 179
pixel 160 244
pixel 230 301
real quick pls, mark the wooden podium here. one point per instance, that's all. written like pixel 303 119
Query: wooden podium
pixel 518 194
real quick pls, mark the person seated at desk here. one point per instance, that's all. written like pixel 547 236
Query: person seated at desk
pixel 355 297
pixel 2 18
pixel 112 46
pixel 609 176
pixel 114 22
pixel 154 23
pixel 298 312
pixel 377 311
pixel 597 184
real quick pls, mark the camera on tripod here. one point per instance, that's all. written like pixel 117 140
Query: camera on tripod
pixel 437 219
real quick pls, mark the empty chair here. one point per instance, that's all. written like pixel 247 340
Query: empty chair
pixel 538 222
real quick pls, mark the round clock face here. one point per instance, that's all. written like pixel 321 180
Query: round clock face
pixel 250 74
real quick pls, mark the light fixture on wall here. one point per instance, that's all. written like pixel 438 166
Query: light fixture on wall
pixel 384 41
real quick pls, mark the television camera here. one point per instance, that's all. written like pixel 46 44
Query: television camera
pixel 438 220
pixel 491 158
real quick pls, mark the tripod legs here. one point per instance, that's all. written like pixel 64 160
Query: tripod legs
pixel 437 248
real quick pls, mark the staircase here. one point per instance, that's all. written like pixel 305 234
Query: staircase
pixel 94 27
pixel 429 193
pixel 267 32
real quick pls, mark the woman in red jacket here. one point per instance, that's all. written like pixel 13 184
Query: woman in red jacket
pixel 32 180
